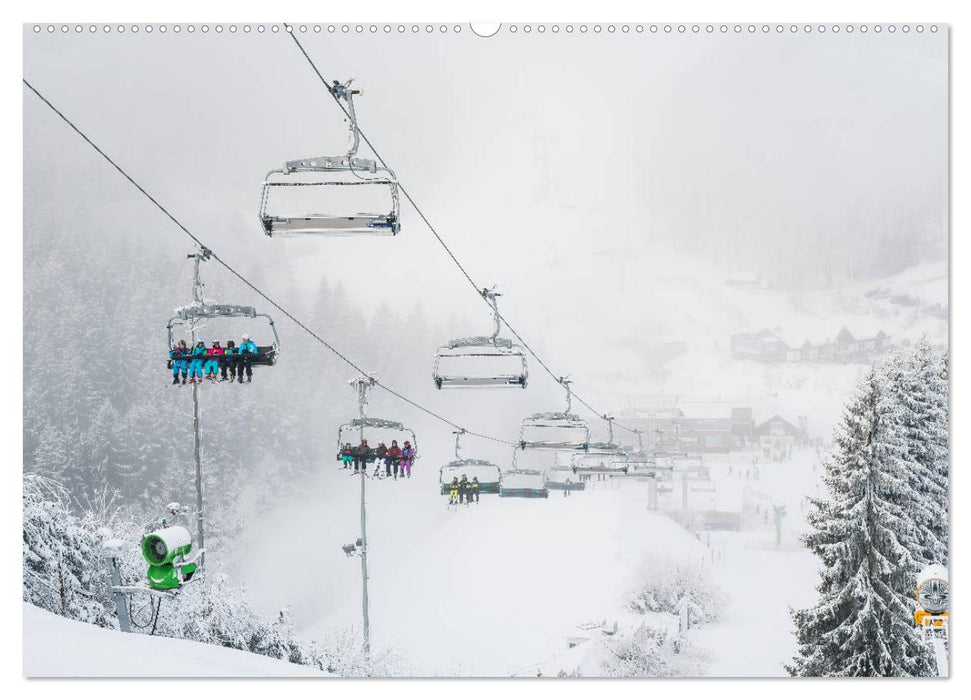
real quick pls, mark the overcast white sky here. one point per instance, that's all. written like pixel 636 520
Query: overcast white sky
pixel 560 167
pixel 529 152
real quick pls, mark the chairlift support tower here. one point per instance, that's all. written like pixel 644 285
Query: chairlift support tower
pixel 189 316
pixel 362 385
pixel 197 257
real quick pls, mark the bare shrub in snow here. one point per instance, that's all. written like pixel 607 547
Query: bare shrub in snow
pixel 213 611
pixel 342 653
pixel 63 572
pixel 650 653
pixel 667 582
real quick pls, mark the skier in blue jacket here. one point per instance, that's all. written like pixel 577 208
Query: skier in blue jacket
pixel 179 366
pixel 247 350
pixel 197 355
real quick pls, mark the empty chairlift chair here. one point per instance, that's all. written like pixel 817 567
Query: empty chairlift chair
pixel 561 477
pixel 523 483
pixel 487 472
pixel 481 361
pixel 556 430
pixel 643 465
pixel 297 186
pixel 602 460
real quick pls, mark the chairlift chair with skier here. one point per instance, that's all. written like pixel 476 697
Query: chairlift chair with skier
pixel 487 472
pixel 193 315
pixel 374 430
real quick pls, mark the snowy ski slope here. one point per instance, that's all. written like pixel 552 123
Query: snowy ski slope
pixel 57 647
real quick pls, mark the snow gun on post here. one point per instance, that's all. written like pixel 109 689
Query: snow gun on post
pixel 170 556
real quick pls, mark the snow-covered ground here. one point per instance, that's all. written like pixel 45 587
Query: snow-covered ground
pixel 57 647
pixel 485 590
pixel 755 635
pixel 497 589
pixel 755 638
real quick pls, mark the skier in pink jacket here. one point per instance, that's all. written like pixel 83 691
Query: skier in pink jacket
pixel 215 354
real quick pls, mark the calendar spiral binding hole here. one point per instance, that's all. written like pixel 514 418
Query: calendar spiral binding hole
pixel 518 29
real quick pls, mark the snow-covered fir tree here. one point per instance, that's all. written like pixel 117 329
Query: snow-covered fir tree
pixel 914 408
pixel 866 537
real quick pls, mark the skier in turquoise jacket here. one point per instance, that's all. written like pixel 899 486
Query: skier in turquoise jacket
pixel 247 350
pixel 198 354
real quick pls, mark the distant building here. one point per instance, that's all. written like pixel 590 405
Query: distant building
pixel 676 433
pixel 777 436
pixel 742 426
pixel 766 346
pixel 724 520
pixel 700 435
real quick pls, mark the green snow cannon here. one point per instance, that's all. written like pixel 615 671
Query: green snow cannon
pixel 167 553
